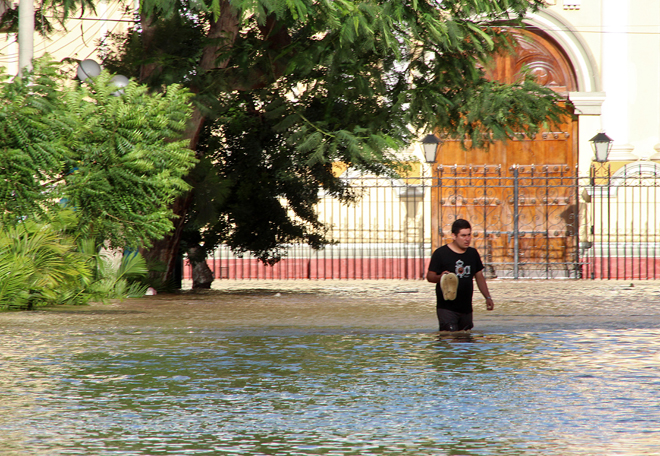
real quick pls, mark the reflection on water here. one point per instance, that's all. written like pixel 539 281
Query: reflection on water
pixel 111 386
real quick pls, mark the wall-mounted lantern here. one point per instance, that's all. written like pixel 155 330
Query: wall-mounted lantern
pixel 430 145
pixel 602 144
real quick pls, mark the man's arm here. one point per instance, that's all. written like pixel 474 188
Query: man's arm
pixel 434 277
pixel 483 288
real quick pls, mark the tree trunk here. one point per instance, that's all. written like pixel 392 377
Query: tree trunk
pixel 166 250
pixel 223 32
pixel 202 274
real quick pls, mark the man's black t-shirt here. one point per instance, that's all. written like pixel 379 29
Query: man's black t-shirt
pixel 465 266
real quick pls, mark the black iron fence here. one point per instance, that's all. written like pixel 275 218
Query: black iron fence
pixel 528 222
pixel 620 216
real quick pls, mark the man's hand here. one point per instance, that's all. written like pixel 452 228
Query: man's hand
pixel 490 305
pixel 434 277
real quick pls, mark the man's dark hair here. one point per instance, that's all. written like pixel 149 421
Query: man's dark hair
pixel 460 224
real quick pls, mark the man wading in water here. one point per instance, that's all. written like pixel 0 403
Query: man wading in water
pixel 452 268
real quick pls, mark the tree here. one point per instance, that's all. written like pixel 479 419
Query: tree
pixel 113 159
pixel 285 88
pixel 125 165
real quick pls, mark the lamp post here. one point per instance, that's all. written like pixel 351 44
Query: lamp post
pixel 430 146
pixel 601 144
pixel 25 35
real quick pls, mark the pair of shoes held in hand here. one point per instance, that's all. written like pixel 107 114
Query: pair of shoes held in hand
pixel 449 286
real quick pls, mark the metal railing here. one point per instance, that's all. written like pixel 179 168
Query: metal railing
pixel 621 226
pixel 528 222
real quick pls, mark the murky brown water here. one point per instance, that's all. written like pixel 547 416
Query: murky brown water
pixel 337 367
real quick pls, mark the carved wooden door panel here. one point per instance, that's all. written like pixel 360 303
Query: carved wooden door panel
pixel 520 195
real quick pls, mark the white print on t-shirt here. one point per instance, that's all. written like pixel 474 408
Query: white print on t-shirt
pixel 461 270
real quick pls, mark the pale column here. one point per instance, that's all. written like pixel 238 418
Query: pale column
pixel 644 69
pixel 589 125
pixel 25 35
pixel 616 78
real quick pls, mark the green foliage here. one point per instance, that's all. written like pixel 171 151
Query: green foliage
pixel 114 159
pixel 32 151
pixel 40 266
pixel 117 276
pixel 125 169
pixel 42 23
pixel 242 181
pixel 43 263
pixel 44 11
pixel 307 83
pixel 180 43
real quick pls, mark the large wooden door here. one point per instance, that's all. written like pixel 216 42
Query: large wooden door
pixel 519 195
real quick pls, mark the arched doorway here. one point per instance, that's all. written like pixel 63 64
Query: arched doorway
pixel 519 195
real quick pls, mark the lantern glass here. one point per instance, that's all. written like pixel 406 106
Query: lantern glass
pixel 430 144
pixel 602 144
pixel 87 69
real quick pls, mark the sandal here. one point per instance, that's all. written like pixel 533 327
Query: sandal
pixel 449 286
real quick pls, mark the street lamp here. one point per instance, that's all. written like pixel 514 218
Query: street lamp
pixel 89 69
pixel 602 144
pixel 430 144
pixel 120 81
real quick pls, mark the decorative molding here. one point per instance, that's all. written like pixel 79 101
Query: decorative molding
pixel 570 40
pixel 555 135
pixel 656 155
pixel 587 103
pixel 622 152
pixel 572 4
pixel 541 59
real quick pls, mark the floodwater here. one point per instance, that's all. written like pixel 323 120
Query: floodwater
pixel 337 368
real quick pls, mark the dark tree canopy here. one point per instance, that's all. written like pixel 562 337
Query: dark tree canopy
pixel 285 88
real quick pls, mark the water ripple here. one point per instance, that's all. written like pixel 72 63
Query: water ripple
pixel 139 388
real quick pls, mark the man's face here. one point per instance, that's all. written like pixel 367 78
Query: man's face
pixel 463 238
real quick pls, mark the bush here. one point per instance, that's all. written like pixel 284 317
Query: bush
pixel 39 266
pixel 43 264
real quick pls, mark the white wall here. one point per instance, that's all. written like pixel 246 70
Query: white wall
pixel 623 36
pixel 79 40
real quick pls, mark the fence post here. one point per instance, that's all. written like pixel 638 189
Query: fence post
pixel 576 222
pixel 592 225
pixel 516 214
